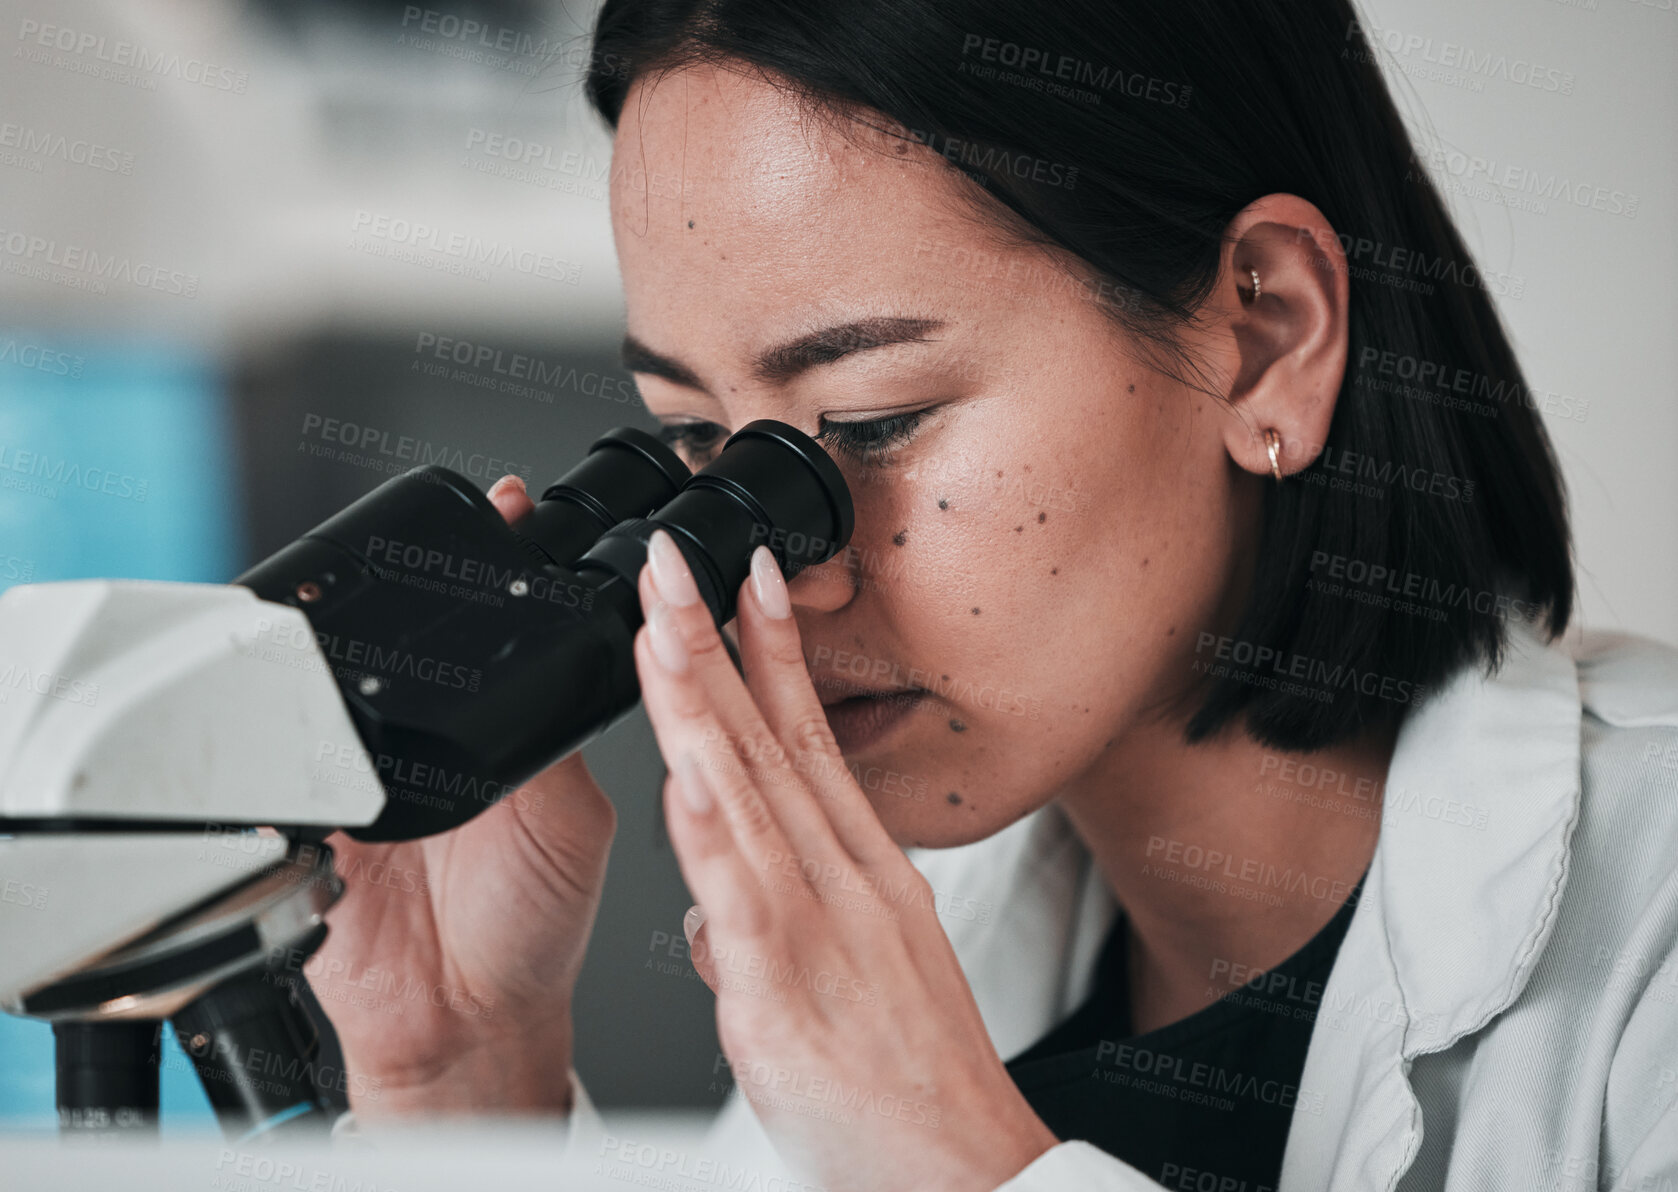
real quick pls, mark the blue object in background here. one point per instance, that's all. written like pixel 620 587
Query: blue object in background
pixel 118 461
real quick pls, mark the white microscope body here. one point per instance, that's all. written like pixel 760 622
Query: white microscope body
pixel 145 730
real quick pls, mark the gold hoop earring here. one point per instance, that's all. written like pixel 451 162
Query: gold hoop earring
pixel 1272 446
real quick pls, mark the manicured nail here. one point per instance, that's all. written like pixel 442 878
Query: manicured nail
pixel 666 639
pixel 670 571
pixel 769 586
pixel 691 785
pixel 692 922
pixel 507 483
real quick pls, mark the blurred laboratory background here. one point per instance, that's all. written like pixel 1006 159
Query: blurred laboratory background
pixel 337 214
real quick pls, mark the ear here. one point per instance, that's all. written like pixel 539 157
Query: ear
pixel 1286 344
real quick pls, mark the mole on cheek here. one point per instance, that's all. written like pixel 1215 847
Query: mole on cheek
pixel 899 538
pixel 975 612
pixel 1042 517
pixel 954 798
pixel 1054 571
pixel 690 224
pixel 1128 389
pixel 959 726
pixel 943 503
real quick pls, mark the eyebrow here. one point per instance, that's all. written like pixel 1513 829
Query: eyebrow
pixel 785 361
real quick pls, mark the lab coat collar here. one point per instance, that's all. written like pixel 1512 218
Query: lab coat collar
pixel 1481 800
pixel 1462 894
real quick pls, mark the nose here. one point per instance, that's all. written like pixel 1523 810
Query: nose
pixel 825 588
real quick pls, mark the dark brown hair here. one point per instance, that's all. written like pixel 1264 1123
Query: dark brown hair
pixel 1437 478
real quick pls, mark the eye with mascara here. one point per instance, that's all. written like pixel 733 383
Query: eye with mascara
pixel 871 441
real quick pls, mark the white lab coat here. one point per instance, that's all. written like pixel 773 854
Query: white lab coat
pixel 1503 1012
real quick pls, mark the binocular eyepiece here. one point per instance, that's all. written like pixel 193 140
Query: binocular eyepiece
pixel 770 485
pixel 471 653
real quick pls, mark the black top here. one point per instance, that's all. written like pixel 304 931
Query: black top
pixel 1203 1102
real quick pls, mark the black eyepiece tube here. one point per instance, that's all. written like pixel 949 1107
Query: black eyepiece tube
pixel 625 473
pixel 771 485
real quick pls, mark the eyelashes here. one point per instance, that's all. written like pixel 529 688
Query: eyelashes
pixel 868 442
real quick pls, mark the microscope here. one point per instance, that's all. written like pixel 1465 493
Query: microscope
pixel 173 756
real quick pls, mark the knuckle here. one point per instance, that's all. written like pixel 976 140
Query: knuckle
pixel 763 751
pixel 910 886
pixel 705 644
pixel 689 703
pixel 754 922
pixel 784 650
pixel 604 815
pixel 813 734
pixel 749 931
pixel 750 814
pixel 922 886
pixel 586 812
pixel 715 739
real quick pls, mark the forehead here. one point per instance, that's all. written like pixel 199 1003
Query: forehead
pixel 784 207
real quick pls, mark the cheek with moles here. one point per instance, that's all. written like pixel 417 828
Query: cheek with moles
pixel 1043 573
pixel 1034 561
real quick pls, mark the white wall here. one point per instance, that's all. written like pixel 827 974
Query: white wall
pixel 1599 304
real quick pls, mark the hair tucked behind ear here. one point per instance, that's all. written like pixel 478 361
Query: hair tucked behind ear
pixel 1174 116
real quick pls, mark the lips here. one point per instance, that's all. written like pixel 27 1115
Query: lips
pixel 832 689
pixel 862 716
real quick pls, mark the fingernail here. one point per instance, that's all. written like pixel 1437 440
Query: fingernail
pixel 769 586
pixel 670 571
pixel 692 922
pixel 666 639
pixel 691 785
pixel 506 482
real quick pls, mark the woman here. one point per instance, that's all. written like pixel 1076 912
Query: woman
pixel 1197 637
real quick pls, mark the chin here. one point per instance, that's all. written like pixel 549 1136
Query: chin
pixel 938 823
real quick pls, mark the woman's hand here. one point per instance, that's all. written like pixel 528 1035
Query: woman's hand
pixel 845 1016
pixel 450 962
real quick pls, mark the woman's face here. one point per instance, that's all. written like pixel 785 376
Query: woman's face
pixel 1043 525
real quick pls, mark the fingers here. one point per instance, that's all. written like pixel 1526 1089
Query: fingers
pixel 726 791
pixel 713 864
pixel 507 495
pixel 692 922
pixel 700 708
pixel 699 946
pixel 779 683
